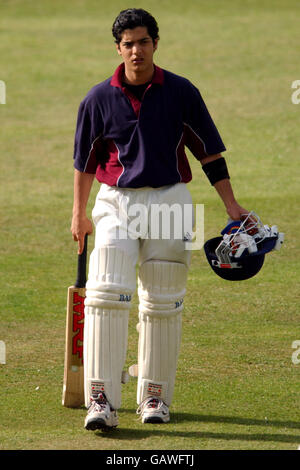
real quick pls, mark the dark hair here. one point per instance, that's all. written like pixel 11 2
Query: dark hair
pixel 133 18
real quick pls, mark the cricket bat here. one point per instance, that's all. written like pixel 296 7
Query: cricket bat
pixel 73 385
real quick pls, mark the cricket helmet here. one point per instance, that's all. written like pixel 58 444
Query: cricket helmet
pixel 240 253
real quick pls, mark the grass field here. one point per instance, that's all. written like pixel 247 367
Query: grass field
pixel 237 387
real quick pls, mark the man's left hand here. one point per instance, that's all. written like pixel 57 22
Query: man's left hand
pixel 236 212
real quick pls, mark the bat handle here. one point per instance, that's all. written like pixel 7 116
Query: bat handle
pixel 81 265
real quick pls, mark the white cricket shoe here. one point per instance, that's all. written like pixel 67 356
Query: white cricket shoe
pixel 100 415
pixel 153 410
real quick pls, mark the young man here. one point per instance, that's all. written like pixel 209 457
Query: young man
pixel 131 134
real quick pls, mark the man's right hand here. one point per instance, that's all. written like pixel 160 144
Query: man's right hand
pixel 79 227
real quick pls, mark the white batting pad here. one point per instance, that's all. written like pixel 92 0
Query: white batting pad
pixel 162 286
pixel 111 279
pixel 109 288
pixel 105 346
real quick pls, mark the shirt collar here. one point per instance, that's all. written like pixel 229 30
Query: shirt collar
pixel 158 76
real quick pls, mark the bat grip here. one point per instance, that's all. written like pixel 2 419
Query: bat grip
pixel 81 265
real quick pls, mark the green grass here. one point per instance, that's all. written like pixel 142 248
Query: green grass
pixel 237 387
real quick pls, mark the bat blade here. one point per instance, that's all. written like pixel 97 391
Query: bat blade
pixel 73 385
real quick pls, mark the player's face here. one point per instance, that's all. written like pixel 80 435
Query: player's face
pixel 137 49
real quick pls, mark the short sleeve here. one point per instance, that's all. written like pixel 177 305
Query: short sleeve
pixel 88 137
pixel 200 133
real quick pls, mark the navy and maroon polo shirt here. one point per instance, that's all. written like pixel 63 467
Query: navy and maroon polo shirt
pixel 131 143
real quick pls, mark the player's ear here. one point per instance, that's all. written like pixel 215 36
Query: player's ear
pixel 155 44
pixel 118 48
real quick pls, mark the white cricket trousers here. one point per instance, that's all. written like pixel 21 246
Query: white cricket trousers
pixel 130 233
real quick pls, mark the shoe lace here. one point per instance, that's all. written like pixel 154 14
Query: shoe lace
pixel 150 402
pixel 99 403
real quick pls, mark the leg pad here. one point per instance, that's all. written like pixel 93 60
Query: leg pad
pixel 162 286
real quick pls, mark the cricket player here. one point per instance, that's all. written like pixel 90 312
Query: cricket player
pixel 132 130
